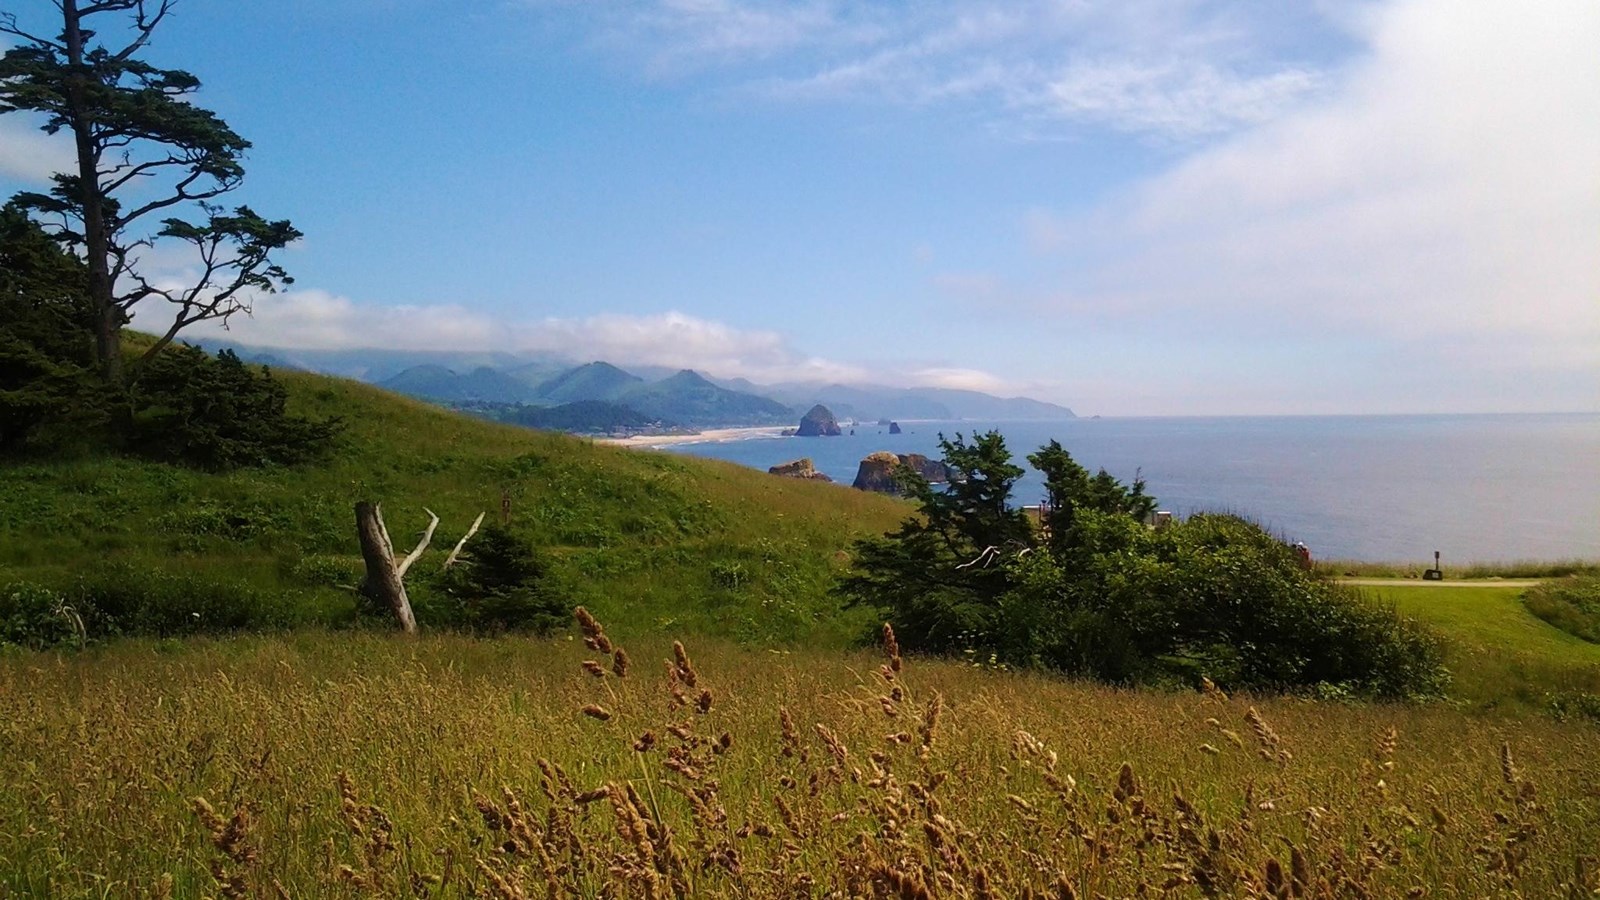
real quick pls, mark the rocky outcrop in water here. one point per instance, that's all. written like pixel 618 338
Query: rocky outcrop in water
pixel 818 422
pixel 876 472
pixel 894 428
pixel 800 468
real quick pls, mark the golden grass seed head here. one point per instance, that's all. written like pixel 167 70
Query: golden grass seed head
pixel 891 646
pixel 1299 870
pixel 1508 766
pixel 1386 744
pixel 594 636
pixel 684 665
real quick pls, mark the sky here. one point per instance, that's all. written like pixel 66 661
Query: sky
pixel 1185 207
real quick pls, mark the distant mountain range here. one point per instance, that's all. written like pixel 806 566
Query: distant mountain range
pixel 614 397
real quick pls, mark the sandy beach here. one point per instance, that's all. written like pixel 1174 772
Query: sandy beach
pixel 710 435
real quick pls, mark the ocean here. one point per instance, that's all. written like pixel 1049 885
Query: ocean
pixel 1477 488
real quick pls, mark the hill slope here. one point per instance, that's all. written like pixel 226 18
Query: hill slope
pixel 432 382
pixel 590 381
pixel 689 398
pixel 647 538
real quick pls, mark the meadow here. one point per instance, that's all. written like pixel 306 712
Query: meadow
pixel 359 764
pixel 259 741
pixel 673 543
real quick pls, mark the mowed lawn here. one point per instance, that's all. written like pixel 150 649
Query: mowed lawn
pixel 1500 653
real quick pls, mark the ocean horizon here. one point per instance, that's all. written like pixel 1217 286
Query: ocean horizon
pixel 1480 487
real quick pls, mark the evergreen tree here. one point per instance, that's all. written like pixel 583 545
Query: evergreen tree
pixel 46 348
pixel 942 572
pixel 146 158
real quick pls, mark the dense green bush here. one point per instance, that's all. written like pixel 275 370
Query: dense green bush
pixel 121 600
pixel 49 397
pixel 1571 604
pixel 37 617
pixel 499 584
pixel 1098 592
pixel 125 600
pixel 190 409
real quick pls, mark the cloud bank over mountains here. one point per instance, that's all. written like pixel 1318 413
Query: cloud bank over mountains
pixel 318 320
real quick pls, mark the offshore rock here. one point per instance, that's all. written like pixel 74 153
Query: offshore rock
pixel 894 428
pixel 818 422
pixel 800 468
pixel 876 472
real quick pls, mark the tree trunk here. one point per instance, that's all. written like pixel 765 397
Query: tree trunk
pixel 108 316
pixel 383 582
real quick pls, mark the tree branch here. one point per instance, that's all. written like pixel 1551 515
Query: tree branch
pixel 180 195
pixel 8 25
pixel 134 171
pixel 450 560
pixel 400 570
pixel 145 26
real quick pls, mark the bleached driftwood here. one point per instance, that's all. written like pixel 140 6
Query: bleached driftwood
pixel 451 559
pixel 383 582
pixel 422 545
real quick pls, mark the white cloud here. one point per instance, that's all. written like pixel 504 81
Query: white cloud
pixel 960 379
pixel 30 156
pixel 314 319
pixel 1184 68
pixel 1445 196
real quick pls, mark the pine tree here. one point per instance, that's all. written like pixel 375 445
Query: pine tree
pixel 146 158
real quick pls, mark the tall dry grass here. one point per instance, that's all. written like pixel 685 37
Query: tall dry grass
pixel 354 765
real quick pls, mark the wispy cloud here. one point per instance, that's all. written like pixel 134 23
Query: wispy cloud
pixel 314 319
pixel 1183 69
pixel 1442 203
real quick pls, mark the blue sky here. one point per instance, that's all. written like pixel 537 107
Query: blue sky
pixel 1183 207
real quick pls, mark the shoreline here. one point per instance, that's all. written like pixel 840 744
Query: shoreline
pixel 709 436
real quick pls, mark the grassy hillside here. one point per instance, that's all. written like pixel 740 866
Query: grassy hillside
pixel 649 539
pixel 353 765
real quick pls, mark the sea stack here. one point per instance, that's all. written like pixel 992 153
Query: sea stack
pixel 876 472
pixel 800 468
pixel 819 422
pixel 894 427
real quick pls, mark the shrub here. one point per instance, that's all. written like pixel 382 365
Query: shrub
pixel 499 584
pixel 218 414
pixel 130 601
pixel 37 617
pixel 1099 593
pixel 49 397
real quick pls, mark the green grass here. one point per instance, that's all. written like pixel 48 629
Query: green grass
pixel 1500 654
pixel 649 539
pixel 440 741
pixel 1571 604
